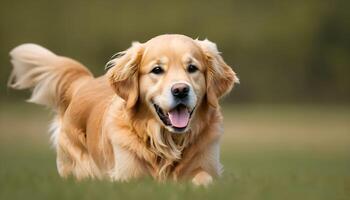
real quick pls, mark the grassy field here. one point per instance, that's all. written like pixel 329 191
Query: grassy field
pixel 269 152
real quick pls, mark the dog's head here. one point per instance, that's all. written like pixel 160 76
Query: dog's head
pixel 172 75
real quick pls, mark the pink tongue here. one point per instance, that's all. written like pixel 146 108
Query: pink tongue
pixel 179 117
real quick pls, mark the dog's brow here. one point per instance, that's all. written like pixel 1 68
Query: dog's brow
pixel 190 60
pixel 157 61
pixel 161 61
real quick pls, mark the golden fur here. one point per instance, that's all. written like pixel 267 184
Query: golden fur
pixel 106 127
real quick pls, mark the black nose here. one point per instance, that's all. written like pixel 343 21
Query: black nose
pixel 180 90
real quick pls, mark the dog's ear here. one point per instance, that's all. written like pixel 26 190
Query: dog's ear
pixel 219 76
pixel 123 69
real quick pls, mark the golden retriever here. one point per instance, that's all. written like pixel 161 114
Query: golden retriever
pixel 155 112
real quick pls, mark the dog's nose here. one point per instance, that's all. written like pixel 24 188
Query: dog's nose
pixel 180 90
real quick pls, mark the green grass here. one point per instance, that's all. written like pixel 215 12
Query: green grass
pixel 269 152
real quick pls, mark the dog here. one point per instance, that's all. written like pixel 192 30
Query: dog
pixel 154 113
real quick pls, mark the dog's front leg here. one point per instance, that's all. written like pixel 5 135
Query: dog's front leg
pixel 209 167
pixel 202 178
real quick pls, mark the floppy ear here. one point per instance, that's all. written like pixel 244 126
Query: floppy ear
pixel 220 77
pixel 123 73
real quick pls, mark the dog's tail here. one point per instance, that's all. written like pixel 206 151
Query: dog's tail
pixel 53 79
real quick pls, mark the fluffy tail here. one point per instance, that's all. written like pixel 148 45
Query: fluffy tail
pixel 53 78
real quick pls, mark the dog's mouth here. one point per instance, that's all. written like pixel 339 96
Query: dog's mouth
pixel 178 118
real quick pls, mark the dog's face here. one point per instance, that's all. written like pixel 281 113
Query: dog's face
pixel 171 75
pixel 172 80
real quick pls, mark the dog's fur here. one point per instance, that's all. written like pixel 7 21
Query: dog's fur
pixel 108 127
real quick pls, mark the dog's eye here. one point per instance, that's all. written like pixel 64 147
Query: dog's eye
pixel 157 70
pixel 192 68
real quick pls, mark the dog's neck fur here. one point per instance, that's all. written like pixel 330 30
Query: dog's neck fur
pixel 165 148
pixel 150 141
pixel 161 149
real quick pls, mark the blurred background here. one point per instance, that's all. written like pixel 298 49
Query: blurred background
pixel 283 51
pixel 287 123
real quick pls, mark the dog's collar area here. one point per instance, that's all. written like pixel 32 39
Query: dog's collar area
pixel 164 117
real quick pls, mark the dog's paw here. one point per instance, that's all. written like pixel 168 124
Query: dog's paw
pixel 202 178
